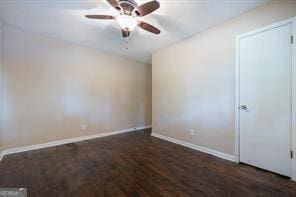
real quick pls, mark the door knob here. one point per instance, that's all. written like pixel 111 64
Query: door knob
pixel 244 107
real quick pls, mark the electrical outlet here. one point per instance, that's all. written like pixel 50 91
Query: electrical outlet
pixel 83 127
pixel 192 132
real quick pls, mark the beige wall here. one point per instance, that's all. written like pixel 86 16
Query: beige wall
pixel 52 87
pixel 193 80
pixel 1 79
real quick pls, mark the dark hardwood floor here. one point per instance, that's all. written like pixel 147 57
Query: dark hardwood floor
pixel 135 164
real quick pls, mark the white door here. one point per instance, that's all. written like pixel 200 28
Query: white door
pixel 265 62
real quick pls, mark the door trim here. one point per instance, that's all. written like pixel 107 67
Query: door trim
pixel 237 90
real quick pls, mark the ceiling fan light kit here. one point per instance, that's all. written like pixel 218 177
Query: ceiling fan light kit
pixel 126 22
pixel 129 14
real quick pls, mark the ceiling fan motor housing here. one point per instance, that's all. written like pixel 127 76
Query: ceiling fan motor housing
pixel 127 6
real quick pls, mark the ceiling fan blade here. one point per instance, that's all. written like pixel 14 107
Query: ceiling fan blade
pixel 148 27
pixel 113 3
pixel 125 33
pixel 105 17
pixel 147 8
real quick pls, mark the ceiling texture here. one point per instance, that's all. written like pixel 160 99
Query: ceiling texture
pixel 64 20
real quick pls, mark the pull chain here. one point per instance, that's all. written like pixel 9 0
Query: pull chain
pixel 126 42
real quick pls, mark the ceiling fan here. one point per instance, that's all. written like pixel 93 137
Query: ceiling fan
pixel 129 12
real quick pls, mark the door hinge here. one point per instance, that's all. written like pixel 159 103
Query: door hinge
pixel 292 39
pixel 291 154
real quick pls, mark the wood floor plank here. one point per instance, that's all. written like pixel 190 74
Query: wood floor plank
pixel 135 164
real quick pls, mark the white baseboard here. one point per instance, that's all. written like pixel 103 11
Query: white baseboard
pixel 67 141
pixel 195 147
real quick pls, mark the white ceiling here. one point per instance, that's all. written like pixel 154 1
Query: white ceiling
pixel 64 19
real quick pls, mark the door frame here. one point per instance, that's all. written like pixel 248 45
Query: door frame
pixel 293 90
